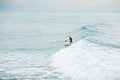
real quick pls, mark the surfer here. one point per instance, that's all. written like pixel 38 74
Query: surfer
pixel 70 40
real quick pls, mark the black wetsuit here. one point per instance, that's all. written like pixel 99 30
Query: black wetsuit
pixel 70 40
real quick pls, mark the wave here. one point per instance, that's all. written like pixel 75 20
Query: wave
pixel 85 60
pixel 100 34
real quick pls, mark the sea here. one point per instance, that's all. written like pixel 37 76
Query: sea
pixel 30 40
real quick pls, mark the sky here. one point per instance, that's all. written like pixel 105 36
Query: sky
pixel 62 4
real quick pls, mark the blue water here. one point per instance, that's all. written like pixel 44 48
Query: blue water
pixel 29 39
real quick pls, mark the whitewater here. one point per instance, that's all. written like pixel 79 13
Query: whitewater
pixel 88 61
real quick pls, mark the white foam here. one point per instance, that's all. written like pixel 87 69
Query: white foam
pixel 88 61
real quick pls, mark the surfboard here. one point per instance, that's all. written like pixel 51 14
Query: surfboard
pixel 67 45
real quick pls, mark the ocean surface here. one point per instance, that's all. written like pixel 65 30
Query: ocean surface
pixel 32 46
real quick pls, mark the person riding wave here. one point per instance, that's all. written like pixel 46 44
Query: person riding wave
pixel 70 40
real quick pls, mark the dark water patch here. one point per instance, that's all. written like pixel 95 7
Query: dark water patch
pixel 47 68
pixel 28 49
pixel 102 43
pixel 90 29
pixel 101 24
pixel 51 77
